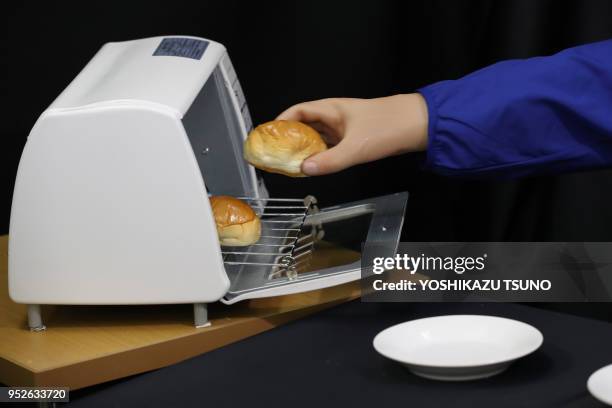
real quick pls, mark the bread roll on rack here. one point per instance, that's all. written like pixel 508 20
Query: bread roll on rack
pixel 237 223
pixel 280 146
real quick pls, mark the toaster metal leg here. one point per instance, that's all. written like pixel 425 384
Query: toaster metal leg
pixel 200 315
pixel 35 318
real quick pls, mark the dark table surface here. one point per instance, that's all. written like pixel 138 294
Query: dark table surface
pixel 327 360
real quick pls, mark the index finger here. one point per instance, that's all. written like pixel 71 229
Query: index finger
pixel 313 111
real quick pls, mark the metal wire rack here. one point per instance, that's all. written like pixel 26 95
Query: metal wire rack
pixel 286 244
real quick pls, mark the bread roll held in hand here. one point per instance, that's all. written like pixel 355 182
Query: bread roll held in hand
pixel 280 146
pixel 237 223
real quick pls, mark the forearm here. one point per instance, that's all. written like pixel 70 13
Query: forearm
pixel 523 117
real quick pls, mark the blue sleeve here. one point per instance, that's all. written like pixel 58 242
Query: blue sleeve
pixel 523 117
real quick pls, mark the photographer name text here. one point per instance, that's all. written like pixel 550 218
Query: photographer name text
pixel 464 285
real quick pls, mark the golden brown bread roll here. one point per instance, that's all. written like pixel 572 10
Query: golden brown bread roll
pixel 280 146
pixel 237 223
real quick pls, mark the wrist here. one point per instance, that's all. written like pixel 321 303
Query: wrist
pixel 414 122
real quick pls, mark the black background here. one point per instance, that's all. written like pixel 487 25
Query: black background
pixel 288 52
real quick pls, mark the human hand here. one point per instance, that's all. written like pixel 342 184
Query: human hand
pixel 362 130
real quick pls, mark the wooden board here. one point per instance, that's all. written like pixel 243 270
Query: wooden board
pixel 87 345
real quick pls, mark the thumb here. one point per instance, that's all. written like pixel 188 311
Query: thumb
pixel 330 161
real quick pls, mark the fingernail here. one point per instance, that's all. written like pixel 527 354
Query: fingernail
pixel 310 167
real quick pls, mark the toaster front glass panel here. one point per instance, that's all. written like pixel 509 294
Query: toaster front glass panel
pixel 329 244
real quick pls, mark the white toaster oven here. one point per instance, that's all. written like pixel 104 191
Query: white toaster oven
pixel 111 197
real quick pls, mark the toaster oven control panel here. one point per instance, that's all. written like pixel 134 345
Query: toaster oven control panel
pixel 181 47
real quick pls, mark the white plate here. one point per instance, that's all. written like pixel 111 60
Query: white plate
pixel 600 384
pixel 458 347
